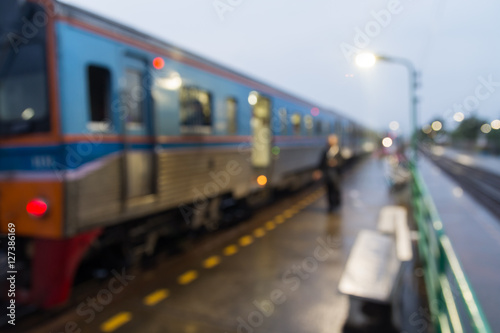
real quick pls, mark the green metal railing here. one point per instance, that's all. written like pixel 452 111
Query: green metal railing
pixel 453 304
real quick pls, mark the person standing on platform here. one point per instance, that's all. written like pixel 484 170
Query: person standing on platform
pixel 329 167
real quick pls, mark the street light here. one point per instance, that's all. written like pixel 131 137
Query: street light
pixel 366 59
pixel 369 59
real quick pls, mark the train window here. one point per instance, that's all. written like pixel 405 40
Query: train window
pixel 319 127
pixel 283 126
pixel 23 90
pixel 327 127
pixel 99 80
pixel 24 103
pixel 195 111
pixel 135 98
pixel 296 120
pixel 338 127
pixel 309 124
pixel 232 110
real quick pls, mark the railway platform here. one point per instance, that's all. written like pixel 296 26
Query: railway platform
pixel 263 275
pixel 473 230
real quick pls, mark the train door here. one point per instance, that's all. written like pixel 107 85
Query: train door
pixel 139 166
pixel 261 133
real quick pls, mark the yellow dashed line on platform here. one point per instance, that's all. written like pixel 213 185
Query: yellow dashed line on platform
pixel 211 262
pixel 246 240
pixel 116 321
pixel 188 277
pixel 270 225
pixel 230 250
pixel 259 232
pixel 156 297
pixel 279 219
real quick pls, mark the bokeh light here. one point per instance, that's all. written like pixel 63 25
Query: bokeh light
pixel 486 128
pixel 253 98
pixel 365 59
pixel 37 207
pixel 172 82
pixel 387 142
pixel 495 124
pixel 368 146
pixel 28 114
pixel 394 125
pixel 158 63
pixel 262 180
pixel 427 129
pixel 458 117
pixel 315 111
pixel 437 125
pixel 308 122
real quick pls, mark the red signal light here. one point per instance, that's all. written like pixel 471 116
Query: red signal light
pixel 37 207
pixel 158 63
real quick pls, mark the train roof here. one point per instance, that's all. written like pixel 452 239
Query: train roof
pixel 73 12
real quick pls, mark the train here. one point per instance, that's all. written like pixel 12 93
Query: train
pixel 104 130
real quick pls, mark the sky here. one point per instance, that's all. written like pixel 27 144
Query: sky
pixel 304 47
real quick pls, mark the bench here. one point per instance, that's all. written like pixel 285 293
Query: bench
pixel 372 271
pixel 392 221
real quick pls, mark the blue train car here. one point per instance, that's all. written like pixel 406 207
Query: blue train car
pixel 101 125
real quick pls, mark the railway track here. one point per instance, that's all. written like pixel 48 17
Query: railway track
pixel 481 184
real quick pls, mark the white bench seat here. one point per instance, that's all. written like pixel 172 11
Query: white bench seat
pixel 372 268
pixel 374 263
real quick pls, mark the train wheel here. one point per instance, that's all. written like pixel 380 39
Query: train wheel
pixel 214 215
pixel 206 215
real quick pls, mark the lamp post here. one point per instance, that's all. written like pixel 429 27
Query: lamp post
pixel 369 59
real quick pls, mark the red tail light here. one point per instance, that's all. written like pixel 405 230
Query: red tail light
pixel 158 63
pixel 37 208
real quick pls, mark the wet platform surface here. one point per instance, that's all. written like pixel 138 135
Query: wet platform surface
pixel 474 233
pixel 277 272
